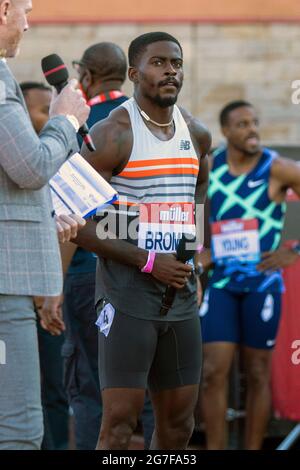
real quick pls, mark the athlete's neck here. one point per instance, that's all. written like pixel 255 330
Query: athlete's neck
pixel 240 162
pixel 154 111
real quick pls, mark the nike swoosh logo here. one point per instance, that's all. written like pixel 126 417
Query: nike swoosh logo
pixel 254 184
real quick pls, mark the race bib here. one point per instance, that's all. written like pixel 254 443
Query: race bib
pixel 105 319
pixel 161 226
pixel 235 240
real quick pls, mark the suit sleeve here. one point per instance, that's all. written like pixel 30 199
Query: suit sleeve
pixel 30 161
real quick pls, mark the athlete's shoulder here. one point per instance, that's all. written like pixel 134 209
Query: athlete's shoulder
pixel 198 131
pixel 113 141
pixel 280 164
pixel 117 123
pixel 119 116
pixel 217 157
pixel 286 172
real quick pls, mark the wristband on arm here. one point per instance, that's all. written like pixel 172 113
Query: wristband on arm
pixel 199 248
pixel 150 262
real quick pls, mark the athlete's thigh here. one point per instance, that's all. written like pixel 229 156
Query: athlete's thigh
pixel 126 352
pixel 219 314
pixel 260 319
pixel 178 356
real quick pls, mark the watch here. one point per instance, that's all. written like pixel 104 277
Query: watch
pixel 199 269
pixel 74 121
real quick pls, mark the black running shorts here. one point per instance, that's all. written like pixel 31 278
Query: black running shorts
pixel 158 355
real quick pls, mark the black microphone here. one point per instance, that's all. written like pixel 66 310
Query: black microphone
pixel 183 255
pixel 57 75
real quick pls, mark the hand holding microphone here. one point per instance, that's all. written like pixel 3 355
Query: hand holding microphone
pixel 70 101
pixel 173 271
pixel 168 270
pixel 183 254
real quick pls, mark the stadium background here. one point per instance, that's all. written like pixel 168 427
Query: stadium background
pixel 232 49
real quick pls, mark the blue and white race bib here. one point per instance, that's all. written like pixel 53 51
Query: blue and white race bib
pixel 235 240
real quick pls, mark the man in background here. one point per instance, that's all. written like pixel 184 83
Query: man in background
pixel 37 97
pixel 242 304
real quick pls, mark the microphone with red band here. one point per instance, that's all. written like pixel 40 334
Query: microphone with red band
pixel 57 75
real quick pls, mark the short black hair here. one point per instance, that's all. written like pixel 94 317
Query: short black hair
pixel 139 44
pixel 231 107
pixel 106 60
pixel 27 86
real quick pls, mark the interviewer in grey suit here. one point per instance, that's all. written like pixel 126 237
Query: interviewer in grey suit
pixel 29 255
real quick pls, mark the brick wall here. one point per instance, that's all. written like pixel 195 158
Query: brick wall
pixel 222 62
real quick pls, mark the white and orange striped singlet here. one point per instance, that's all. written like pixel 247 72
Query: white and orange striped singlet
pixel 158 171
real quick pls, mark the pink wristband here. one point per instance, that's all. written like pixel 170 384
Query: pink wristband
pixel 150 262
pixel 199 248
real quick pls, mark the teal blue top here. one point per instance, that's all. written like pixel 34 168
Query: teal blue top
pixel 246 197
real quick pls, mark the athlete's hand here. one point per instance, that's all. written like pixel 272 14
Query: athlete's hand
pixel 278 259
pixel 170 271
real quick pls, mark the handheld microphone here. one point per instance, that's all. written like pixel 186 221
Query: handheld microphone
pixel 57 75
pixel 183 255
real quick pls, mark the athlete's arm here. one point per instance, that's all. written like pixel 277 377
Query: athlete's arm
pixel 202 142
pixel 202 138
pixel 285 174
pixel 278 259
pixel 113 141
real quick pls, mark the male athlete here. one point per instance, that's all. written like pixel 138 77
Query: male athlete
pixel 248 185
pixel 150 151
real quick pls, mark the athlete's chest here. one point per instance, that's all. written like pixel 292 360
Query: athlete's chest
pixel 237 196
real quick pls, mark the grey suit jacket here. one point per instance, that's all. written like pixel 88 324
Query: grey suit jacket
pixel 29 254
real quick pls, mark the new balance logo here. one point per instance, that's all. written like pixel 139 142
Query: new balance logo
pixel 185 145
pixel 254 184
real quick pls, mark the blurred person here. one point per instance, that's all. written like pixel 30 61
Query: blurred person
pixel 242 303
pixel 30 263
pixel 145 147
pixel 55 406
pixel 37 97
